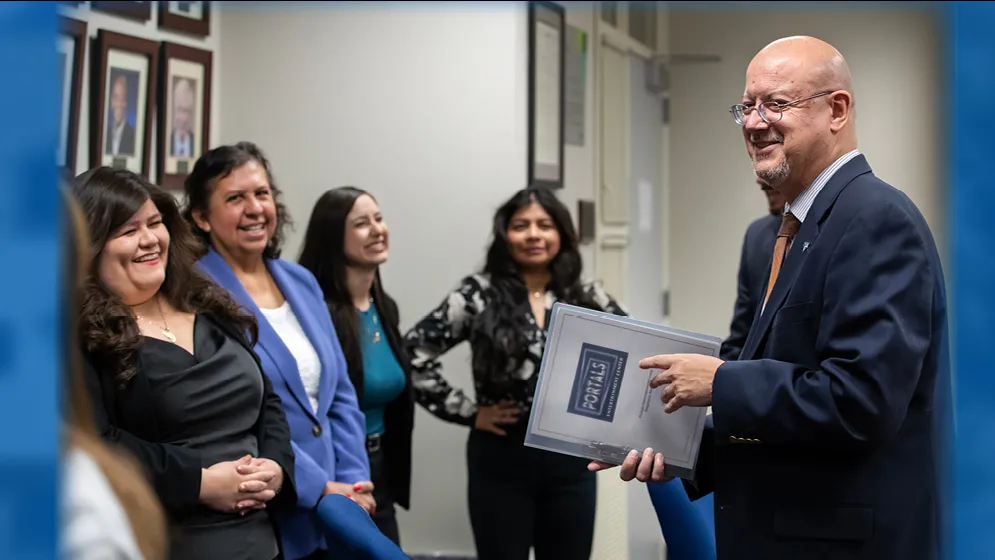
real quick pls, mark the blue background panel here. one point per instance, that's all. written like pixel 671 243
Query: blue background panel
pixel 29 246
pixel 972 155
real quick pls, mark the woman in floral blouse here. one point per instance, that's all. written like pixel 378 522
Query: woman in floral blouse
pixel 519 497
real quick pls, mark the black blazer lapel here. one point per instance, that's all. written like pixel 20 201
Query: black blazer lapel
pixel 798 251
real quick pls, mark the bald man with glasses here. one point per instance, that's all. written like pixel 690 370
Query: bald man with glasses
pixel 827 436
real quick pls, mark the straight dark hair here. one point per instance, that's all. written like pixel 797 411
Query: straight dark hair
pixel 324 255
pixel 498 333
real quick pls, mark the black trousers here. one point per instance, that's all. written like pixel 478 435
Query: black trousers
pixel 521 498
pixel 385 515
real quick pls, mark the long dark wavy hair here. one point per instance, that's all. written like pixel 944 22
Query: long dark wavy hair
pixel 145 513
pixel 498 334
pixel 324 255
pixel 217 164
pixel 108 331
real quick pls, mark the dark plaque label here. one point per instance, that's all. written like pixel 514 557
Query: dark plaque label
pixel 596 385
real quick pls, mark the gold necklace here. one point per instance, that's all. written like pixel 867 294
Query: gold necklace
pixel 376 335
pixel 164 329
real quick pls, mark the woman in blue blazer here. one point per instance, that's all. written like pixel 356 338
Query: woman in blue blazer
pixel 232 205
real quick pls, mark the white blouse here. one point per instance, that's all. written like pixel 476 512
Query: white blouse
pixel 285 323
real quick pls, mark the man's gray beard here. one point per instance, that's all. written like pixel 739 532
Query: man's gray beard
pixel 775 175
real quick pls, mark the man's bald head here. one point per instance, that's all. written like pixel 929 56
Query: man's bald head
pixel 806 88
pixel 825 68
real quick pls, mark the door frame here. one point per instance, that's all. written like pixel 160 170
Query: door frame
pixel 610 235
pixel 614 494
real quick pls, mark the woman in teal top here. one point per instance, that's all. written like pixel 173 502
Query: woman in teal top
pixel 346 242
pixel 384 379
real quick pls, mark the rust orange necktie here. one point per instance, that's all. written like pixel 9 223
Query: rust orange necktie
pixel 789 228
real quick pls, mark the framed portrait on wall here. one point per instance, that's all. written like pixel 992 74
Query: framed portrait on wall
pixel 547 42
pixel 123 86
pixel 138 11
pixel 192 18
pixel 71 48
pixel 184 113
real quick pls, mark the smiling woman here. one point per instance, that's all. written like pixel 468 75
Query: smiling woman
pixel 234 204
pixel 346 242
pixel 173 376
pixel 133 263
pixel 520 497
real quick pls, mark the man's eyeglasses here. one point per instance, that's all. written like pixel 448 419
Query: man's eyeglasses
pixel 769 111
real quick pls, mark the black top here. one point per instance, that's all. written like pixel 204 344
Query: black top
pixel 206 402
pixel 181 413
pixel 450 324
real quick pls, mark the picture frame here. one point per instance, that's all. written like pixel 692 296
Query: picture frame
pixel 125 73
pixel 71 46
pixel 546 94
pixel 138 11
pixel 184 116
pixel 191 18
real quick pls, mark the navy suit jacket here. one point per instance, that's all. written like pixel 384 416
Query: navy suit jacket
pixel 827 436
pixel 328 445
pixel 754 269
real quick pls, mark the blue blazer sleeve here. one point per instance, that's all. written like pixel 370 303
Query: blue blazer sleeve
pixel 348 422
pixel 874 332
pixel 310 478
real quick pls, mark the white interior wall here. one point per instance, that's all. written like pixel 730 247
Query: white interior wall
pixel 893 55
pixel 148 30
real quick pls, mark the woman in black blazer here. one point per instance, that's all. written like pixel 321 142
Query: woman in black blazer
pixel 346 242
pixel 173 377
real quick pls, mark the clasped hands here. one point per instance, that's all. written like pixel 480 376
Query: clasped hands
pixel 688 382
pixel 361 493
pixel 240 486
